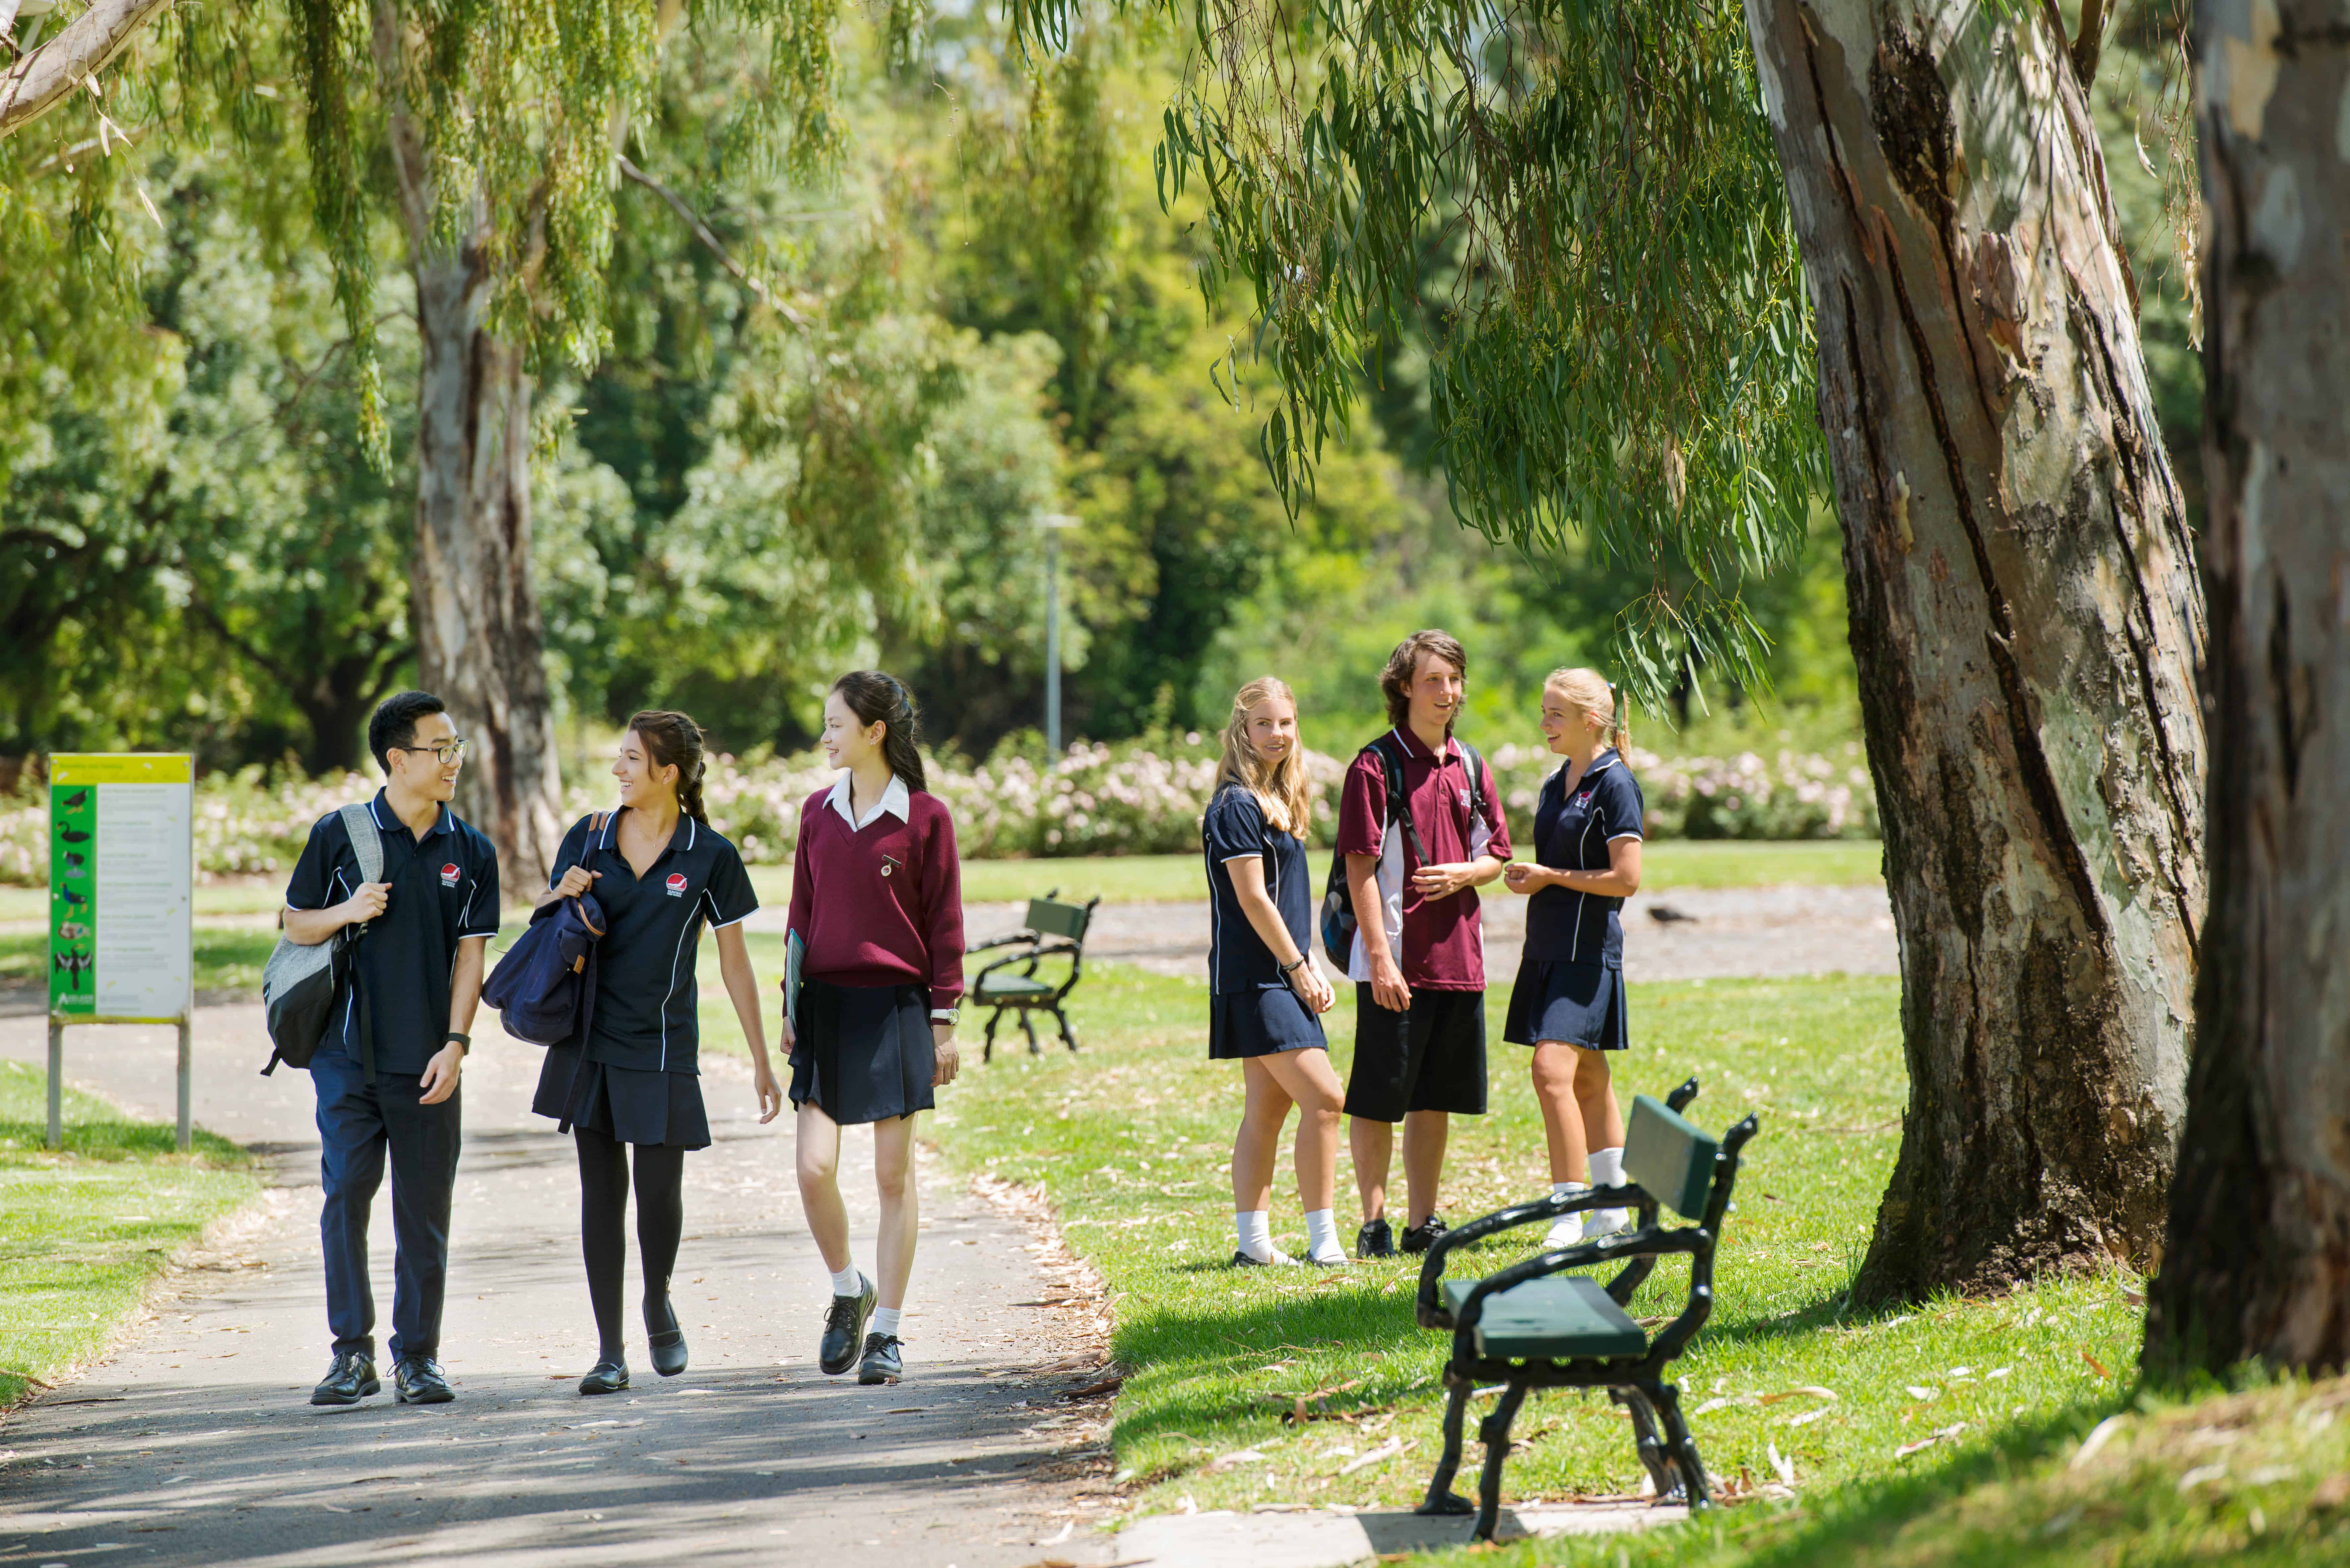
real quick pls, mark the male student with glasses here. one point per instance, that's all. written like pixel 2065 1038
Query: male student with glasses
pixel 386 1073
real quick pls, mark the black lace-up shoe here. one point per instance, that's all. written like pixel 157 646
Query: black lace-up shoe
pixel 1420 1237
pixel 417 1380
pixel 1375 1240
pixel 351 1379
pixel 882 1364
pixel 844 1326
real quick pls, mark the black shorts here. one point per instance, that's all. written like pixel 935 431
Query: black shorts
pixel 1573 1003
pixel 1432 1058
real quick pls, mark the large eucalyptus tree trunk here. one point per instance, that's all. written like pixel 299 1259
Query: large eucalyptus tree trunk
pixel 2026 623
pixel 478 635
pixel 2259 1260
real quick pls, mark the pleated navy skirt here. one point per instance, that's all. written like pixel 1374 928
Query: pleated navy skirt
pixel 863 1052
pixel 1577 1003
pixel 1260 1022
pixel 626 1105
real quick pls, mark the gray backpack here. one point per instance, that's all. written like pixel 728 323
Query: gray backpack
pixel 299 984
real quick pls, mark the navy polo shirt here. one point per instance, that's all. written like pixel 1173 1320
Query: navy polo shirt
pixel 1234 829
pixel 444 889
pixel 1573 834
pixel 647 1002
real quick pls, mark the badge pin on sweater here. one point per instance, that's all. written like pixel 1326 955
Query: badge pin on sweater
pixel 889 863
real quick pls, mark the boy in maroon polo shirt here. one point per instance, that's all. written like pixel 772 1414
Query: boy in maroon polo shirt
pixel 1419 958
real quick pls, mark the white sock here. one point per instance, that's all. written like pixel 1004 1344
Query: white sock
pixel 847 1283
pixel 1608 1167
pixel 885 1321
pixel 1322 1237
pixel 1567 1229
pixel 1254 1227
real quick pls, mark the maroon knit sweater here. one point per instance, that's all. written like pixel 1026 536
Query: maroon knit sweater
pixel 862 928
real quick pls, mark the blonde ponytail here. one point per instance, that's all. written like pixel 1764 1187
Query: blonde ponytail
pixel 1590 691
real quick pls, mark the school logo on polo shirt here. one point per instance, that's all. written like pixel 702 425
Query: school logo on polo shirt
pixel 449 875
pixel 677 884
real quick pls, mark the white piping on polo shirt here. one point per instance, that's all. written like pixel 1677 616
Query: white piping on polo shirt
pixel 1216 914
pixel 897 800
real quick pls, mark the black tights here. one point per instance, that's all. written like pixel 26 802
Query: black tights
pixel 603 1218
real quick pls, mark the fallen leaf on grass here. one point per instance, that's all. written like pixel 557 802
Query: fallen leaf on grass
pixel 1918 1393
pixel 2095 1366
pixel 1814 1389
pixel 1807 1419
pixel 1779 1462
pixel 1222 1462
pixel 1952 1431
pixel 1385 1451
pixel 2201 1474
pixel 2104 1432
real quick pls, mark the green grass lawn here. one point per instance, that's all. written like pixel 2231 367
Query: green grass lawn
pixel 84 1231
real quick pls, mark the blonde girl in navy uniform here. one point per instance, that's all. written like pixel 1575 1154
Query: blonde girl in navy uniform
pixel 1266 996
pixel 1568 1001
pixel 877 903
pixel 631 1090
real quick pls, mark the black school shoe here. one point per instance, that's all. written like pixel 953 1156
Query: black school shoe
pixel 417 1380
pixel 350 1380
pixel 881 1362
pixel 665 1338
pixel 1375 1240
pixel 1420 1237
pixel 844 1326
pixel 607 1376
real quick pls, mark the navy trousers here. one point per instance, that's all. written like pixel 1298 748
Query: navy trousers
pixel 358 1125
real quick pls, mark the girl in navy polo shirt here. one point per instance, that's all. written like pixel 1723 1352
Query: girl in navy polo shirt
pixel 876 905
pixel 1568 1001
pixel 660 874
pixel 1265 993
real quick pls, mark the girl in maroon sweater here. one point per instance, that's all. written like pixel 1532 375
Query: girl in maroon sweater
pixel 876 905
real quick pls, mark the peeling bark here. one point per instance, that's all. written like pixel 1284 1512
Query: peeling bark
pixel 2259 1258
pixel 2026 619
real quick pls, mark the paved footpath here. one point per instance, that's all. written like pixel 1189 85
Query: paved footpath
pixel 193 1444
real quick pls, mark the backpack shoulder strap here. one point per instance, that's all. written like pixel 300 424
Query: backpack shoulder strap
pixel 366 841
pixel 1476 782
pixel 1391 757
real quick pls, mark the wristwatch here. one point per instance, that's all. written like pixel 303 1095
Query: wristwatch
pixel 455 1038
pixel 946 1015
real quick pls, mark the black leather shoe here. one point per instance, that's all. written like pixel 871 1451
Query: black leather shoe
pixel 417 1380
pixel 844 1326
pixel 350 1380
pixel 609 1376
pixel 667 1340
pixel 1420 1237
pixel 1375 1240
pixel 880 1363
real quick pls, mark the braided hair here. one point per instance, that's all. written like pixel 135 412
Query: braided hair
pixel 674 740
pixel 877 698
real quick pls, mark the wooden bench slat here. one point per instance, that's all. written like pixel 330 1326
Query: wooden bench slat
pixel 1048 919
pixel 1552 1318
pixel 1670 1156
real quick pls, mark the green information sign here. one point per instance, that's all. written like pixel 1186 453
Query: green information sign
pixel 120 866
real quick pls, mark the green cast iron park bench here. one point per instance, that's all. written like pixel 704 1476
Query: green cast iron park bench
pixel 1053 930
pixel 1534 1326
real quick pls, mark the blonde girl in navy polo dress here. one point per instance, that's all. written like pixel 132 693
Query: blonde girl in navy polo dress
pixel 631 1090
pixel 1568 1000
pixel 876 905
pixel 1265 994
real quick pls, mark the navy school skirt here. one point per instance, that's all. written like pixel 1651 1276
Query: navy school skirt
pixel 864 1053
pixel 1577 1004
pixel 626 1105
pixel 1262 1022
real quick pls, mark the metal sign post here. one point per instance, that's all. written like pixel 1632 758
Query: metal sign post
pixel 121 929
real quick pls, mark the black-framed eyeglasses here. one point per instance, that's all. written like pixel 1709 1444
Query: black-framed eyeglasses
pixel 443 751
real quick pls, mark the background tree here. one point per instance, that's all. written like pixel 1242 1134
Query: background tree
pixel 2261 1203
pixel 1629 353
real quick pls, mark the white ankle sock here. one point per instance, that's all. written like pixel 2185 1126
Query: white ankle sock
pixel 1253 1229
pixel 885 1320
pixel 1608 1167
pixel 1322 1236
pixel 1567 1229
pixel 846 1282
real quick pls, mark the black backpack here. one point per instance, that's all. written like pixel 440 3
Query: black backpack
pixel 300 985
pixel 1338 922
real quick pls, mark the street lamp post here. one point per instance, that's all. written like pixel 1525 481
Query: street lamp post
pixel 1053 523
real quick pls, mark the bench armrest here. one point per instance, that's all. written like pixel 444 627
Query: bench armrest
pixel 1019 936
pixel 1429 1306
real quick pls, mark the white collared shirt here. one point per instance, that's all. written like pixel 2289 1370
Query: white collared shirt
pixel 895 799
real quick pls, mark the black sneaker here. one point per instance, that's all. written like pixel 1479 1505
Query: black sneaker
pixel 1420 1237
pixel 881 1362
pixel 1375 1240
pixel 1280 1260
pixel 844 1326
pixel 350 1380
